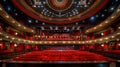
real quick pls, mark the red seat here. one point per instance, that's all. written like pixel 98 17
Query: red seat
pixel 70 55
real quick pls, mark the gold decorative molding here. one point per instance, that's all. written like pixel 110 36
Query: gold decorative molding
pixel 110 20
pixel 11 21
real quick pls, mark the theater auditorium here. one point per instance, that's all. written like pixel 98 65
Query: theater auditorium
pixel 60 33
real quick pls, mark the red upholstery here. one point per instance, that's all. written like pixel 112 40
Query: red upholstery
pixel 60 55
pixel 3 52
pixel 114 51
pixel 55 36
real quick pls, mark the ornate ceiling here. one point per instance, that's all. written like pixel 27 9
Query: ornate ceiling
pixel 19 13
pixel 60 11
pixel 59 5
pixel 37 14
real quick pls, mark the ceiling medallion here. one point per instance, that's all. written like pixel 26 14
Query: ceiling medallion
pixel 59 5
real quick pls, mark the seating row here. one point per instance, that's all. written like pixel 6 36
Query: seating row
pixel 61 56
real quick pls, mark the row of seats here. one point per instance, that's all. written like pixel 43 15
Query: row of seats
pixel 60 55
pixel 58 37
pixel 7 54
pixel 115 54
pixel 3 52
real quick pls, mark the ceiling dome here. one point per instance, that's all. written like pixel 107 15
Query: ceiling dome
pixel 60 11
pixel 59 5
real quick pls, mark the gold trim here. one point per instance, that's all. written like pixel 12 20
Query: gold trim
pixel 59 19
pixel 60 10
pixel 113 36
pixel 14 23
pixel 106 23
